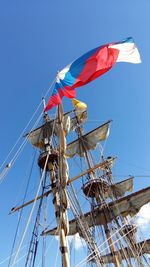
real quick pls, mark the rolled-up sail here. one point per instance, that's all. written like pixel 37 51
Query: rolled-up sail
pixel 88 141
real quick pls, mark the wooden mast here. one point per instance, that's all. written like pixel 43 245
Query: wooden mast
pixel 98 199
pixel 56 166
pixel 110 242
pixel 63 218
pixel 108 234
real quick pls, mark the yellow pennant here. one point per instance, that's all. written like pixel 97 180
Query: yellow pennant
pixel 79 106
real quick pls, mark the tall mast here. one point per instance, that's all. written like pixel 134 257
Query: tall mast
pixel 98 196
pixel 57 168
pixel 63 218
pixel 108 235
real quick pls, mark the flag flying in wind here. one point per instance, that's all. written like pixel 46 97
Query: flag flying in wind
pixel 90 66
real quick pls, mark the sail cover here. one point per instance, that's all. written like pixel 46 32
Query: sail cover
pixel 130 204
pixel 88 141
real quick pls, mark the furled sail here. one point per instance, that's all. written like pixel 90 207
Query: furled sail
pixel 130 204
pixel 88 141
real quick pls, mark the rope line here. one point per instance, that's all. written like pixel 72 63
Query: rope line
pixel 12 161
pixel 39 264
pixel 20 215
pixel 20 136
pixel 87 258
pixel 20 149
pixel 6 259
pixel 31 212
pixel 108 246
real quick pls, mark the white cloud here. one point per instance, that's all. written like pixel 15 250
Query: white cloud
pixel 143 219
pixel 77 241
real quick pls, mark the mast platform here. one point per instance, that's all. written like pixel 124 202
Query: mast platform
pixel 53 156
pixel 93 187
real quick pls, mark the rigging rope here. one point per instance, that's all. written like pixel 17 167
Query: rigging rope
pixel 31 212
pixel 44 227
pixel 87 258
pixel 55 264
pixel 20 136
pixel 21 258
pixel 6 259
pixel 20 196
pixel 85 230
pixel 12 161
pixel 39 264
pixel 28 182
pixel 20 149
pixel 34 240
pixel 145 258
pixel 124 235
pixel 118 225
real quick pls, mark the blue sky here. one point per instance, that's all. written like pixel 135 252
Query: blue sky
pixel 38 38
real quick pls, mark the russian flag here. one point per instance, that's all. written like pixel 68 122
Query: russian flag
pixel 90 66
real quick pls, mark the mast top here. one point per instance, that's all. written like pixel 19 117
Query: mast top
pixel 44 104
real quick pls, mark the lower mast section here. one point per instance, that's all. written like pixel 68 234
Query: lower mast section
pixel 58 171
pixel 110 242
pixel 108 234
pixel 60 206
pixel 62 217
